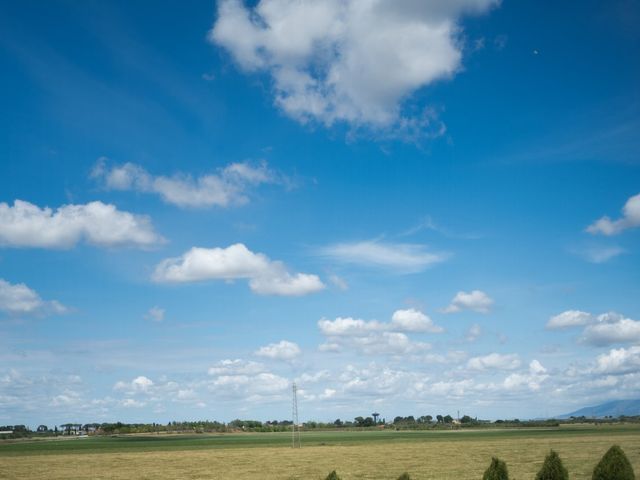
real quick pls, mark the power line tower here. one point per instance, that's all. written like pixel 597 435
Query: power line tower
pixel 295 427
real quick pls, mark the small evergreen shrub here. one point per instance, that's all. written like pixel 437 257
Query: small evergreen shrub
pixel 404 476
pixel 552 468
pixel 333 476
pixel 496 471
pixel 614 466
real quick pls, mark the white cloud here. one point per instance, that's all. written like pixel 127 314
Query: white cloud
pixel 155 314
pixel 374 380
pixel 622 360
pixel 448 388
pixel 412 320
pixel 236 367
pixel 605 329
pixel 630 219
pixel 249 387
pixel 328 393
pixel 132 403
pixel 312 378
pixel 282 350
pixel 473 333
pixel 373 337
pixel 452 357
pixel 612 328
pixel 348 326
pixel 532 380
pixel 339 282
pixel 477 300
pixel 494 361
pixel 570 318
pixel 600 254
pixel 346 61
pixel 387 343
pixel 266 277
pixel 96 223
pixel 186 394
pixel 402 257
pixel 19 299
pixel 140 384
pixel 226 188
pixel 331 347
pixel 66 399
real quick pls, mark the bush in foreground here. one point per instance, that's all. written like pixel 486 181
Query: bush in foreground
pixel 404 476
pixel 496 471
pixel 333 476
pixel 614 466
pixel 552 468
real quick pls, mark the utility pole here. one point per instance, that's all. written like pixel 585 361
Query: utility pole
pixel 295 428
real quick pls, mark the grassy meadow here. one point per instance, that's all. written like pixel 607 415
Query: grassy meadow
pixel 462 454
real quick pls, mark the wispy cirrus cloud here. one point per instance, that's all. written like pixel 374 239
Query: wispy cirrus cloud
pixel 397 257
pixel 599 254
pixel 155 314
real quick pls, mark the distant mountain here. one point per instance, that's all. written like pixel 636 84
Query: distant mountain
pixel 614 408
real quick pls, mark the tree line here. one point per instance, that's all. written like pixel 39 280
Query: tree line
pixel 213 426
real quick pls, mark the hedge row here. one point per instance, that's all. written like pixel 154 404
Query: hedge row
pixel 613 466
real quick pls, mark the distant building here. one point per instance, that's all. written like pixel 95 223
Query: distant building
pixel 71 428
pixel 91 427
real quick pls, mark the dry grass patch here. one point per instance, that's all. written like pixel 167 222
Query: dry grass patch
pixel 443 459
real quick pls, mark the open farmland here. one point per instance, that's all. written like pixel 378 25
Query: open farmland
pixel 355 455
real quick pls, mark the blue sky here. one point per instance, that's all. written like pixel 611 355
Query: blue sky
pixel 406 207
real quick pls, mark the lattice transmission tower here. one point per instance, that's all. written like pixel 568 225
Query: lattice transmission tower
pixel 295 427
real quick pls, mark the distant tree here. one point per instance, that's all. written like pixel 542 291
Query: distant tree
pixel 466 419
pixel 368 422
pixel 614 466
pixel 552 468
pixel 440 418
pixel 497 470
pixel 404 476
pixel 410 419
pixel 333 476
pixel 429 418
pixel 338 423
pixel 448 419
pixel 359 421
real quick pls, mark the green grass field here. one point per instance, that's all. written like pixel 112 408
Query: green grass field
pixel 383 454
